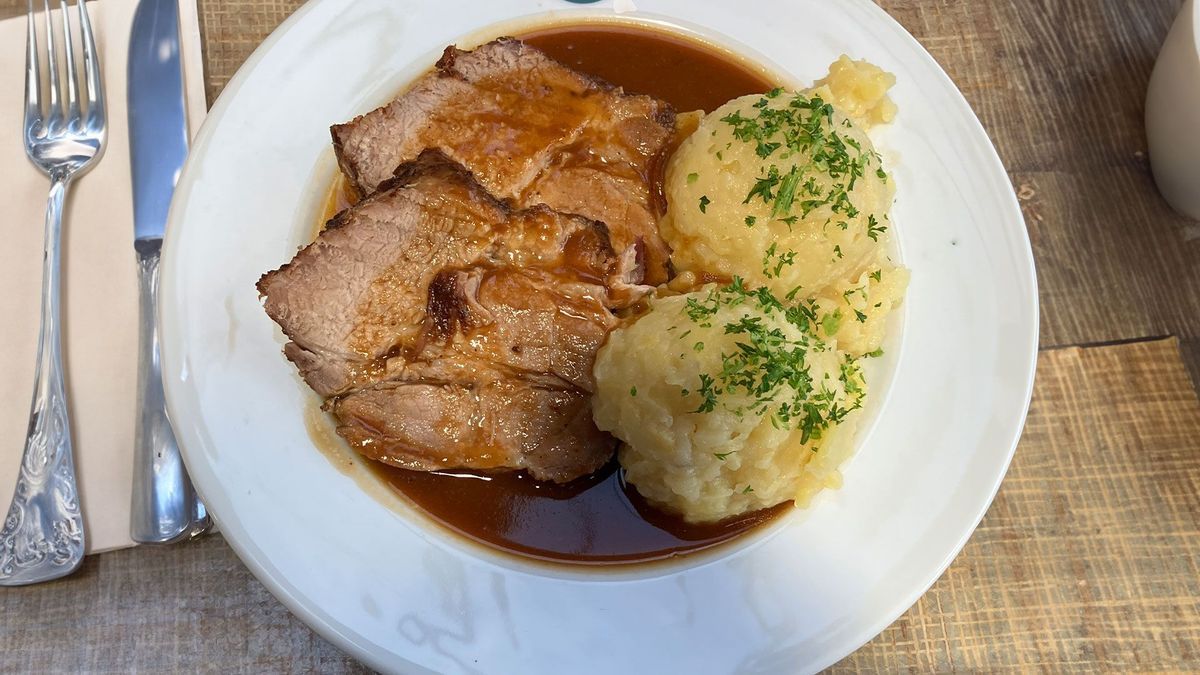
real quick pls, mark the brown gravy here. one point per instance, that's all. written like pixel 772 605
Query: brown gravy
pixel 685 73
pixel 597 520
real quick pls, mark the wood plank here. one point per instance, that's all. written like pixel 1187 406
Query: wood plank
pixel 1060 86
pixel 1113 262
pixel 1191 358
pixel 188 607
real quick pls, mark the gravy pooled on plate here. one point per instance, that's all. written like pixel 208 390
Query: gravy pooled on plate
pixel 597 519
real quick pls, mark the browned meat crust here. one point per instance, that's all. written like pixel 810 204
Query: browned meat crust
pixel 448 330
pixel 532 131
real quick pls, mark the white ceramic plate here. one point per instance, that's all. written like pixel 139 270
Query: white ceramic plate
pixel 404 595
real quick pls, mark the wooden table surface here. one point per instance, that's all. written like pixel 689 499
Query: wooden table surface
pixel 1088 560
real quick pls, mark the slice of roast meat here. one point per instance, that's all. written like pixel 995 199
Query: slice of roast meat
pixel 524 320
pixel 532 131
pixel 446 329
pixel 503 382
pixel 359 291
pixel 498 425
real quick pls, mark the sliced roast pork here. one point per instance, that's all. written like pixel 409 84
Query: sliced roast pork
pixel 532 131
pixel 447 330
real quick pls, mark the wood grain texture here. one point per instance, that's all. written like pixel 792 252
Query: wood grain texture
pixel 1089 559
pixel 187 608
pixel 1060 87
pixel 1191 359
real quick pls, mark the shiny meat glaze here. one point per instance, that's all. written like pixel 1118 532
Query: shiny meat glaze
pixel 448 331
pixel 525 340
pixel 496 425
pixel 532 131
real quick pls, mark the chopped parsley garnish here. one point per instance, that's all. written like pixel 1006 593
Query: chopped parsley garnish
pixel 692 178
pixel 750 220
pixel 787 193
pixel 768 371
pixel 708 394
pixel 704 202
pixel 723 455
pixel 831 322
pixel 877 275
pixel 874 229
pixel 764 186
pixel 765 149
pixel 773 263
pixel 804 127
pixel 633 391
pixel 700 313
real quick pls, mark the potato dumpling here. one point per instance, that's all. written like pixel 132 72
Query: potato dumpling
pixel 784 189
pixel 726 403
pixel 740 397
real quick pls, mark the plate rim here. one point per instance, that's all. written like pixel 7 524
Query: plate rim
pixel 347 639
pixel 1033 337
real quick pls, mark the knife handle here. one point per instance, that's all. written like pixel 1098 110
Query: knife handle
pixel 165 508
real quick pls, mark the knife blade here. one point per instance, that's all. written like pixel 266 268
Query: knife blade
pixel 165 507
pixel 158 134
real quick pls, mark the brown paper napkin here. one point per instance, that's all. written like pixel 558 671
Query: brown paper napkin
pixel 99 277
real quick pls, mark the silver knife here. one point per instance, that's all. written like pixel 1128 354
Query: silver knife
pixel 165 507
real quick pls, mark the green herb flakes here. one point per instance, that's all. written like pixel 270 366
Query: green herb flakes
pixel 874 229
pixel 804 127
pixel 831 322
pixel 767 370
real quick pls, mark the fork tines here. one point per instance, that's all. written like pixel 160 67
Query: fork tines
pixel 48 109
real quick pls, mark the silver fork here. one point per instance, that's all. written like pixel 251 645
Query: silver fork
pixel 43 537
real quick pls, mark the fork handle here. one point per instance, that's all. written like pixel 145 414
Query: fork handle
pixel 165 508
pixel 42 536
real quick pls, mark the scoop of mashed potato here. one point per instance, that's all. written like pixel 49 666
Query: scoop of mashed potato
pixel 785 189
pixel 727 402
pixel 855 310
pixel 859 90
